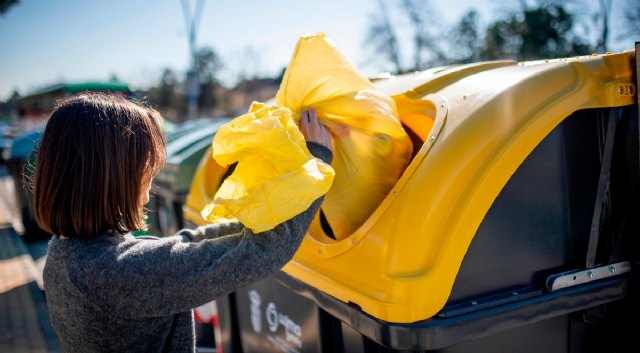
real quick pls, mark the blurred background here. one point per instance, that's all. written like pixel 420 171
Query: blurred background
pixel 201 63
pixel 194 58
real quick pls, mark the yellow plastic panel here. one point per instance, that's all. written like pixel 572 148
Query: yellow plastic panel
pixel 400 265
pixel 206 181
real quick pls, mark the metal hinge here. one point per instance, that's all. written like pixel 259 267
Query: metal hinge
pixel 577 277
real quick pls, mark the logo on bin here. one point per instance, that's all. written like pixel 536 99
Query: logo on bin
pixel 272 317
pixel 256 317
pixel 293 331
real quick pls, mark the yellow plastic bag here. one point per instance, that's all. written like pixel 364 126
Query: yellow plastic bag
pixel 371 149
pixel 276 177
pixel 271 182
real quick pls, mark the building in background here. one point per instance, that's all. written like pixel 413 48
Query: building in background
pixel 34 108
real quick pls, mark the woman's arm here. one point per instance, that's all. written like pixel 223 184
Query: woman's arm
pixel 211 231
pixel 314 132
pixel 160 277
pixel 166 276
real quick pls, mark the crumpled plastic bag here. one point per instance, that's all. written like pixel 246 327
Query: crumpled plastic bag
pixel 276 177
pixel 371 148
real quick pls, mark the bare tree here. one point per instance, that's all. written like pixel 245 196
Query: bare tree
pixel 605 13
pixel 631 20
pixel 208 64
pixel 5 5
pixel 382 36
pixel 168 83
pixel 423 28
pixel 424 22
pixel 249 60
pixel 466 39
pixel 420 37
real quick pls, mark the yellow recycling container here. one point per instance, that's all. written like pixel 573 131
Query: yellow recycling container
pixel 488 188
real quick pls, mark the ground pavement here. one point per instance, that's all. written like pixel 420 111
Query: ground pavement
pixel 24 321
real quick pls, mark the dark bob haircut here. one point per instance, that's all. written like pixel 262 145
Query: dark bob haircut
pixel 96 153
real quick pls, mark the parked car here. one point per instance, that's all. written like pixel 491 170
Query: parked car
pixel 20 158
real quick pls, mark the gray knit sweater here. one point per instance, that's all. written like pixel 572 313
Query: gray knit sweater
pixel 119 293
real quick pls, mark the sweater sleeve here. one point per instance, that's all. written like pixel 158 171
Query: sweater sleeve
pixel 165 276
pixel 211 231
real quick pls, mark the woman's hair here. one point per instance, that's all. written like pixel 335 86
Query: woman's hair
pixel 96 153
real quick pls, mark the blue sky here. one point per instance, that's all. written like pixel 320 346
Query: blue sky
pixel 45 42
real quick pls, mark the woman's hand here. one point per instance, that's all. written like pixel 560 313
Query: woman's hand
pixel 313 130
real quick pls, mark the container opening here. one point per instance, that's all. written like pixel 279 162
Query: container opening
pixel 416 140
pixel 326 228
pixel 417 117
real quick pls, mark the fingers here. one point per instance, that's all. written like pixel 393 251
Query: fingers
pixel 309 121
pixel 313 116
pixel 309 117
pixel 313 130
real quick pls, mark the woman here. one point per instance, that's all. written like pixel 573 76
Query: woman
pixel 108 291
